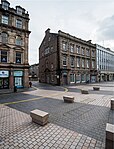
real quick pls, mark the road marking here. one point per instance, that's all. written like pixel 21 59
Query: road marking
pixel 27 100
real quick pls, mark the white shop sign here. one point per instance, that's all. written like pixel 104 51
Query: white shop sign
pixel 4 74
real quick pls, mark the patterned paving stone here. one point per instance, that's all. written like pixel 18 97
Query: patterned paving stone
pixel 80 125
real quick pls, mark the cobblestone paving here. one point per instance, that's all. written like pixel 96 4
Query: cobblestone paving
pixel 18 132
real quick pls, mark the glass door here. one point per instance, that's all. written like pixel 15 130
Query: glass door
pixel 4 83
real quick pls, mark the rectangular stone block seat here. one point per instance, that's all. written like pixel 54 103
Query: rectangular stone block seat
pixel 84 92
pixel 112 104
pixel 96 88
pixel 69 99
pixel 109 136
pixel 39 117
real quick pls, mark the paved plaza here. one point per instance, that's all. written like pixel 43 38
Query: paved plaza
pixel 78 125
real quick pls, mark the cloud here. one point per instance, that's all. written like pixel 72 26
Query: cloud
pixel 106 29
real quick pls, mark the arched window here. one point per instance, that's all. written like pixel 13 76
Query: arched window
pixel 18 41
pixel 4 37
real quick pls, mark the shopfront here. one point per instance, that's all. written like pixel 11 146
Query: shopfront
pixel 4 79
pixel 78 78
pixel 18 79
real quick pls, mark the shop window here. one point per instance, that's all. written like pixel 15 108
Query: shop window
pixel 4 56
pixel 18 82
pixel 4 37
pixel 78 78
pixel 18 23
pixel 18 41
pixel 83 78
pixel 18 57
pixel 5 19
pixel 52 77
pixel 72 78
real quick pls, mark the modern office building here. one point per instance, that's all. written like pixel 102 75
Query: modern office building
pixel 65 59
pixel 105 63
pixel 14 38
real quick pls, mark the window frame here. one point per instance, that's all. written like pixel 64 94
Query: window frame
pixel 19 11
pixel 72 48
pixel 87 63
pixel 4 56
pixel 72 78
pixel 64 46
pixel 78 62
pixel 77 49
pixel 18 57
pixel 5 5
pixel 17 41
pixel 64 60
pixel 4 38
pixel 72 61
pixel 19 23
pixel 83 63
pixel 5 19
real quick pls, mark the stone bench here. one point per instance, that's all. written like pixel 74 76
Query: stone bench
pixel 84 92
pixel 39 117
pixel 112 104
pixel 109 142
pixel 96 88
pixel 69 99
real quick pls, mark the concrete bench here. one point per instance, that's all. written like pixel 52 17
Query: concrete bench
pixel 39 117
pixel 69 99
pixel 109 142
pixel 84 92
pixel 96 88
pixel 112 104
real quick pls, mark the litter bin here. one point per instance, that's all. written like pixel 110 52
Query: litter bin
pixel 15 88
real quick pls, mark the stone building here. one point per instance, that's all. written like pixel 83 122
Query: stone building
pixel 14 38
pixel 105 63
pixel 65 59
pixel 34 72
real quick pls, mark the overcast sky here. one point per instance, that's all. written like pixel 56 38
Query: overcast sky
pixel 85 19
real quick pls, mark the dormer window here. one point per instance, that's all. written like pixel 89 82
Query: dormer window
pixel 19 10
pixel 5 5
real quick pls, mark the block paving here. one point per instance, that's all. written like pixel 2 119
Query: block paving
pixel 78 125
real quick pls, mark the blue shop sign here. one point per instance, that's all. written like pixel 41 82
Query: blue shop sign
pixel 18 73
